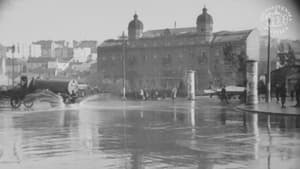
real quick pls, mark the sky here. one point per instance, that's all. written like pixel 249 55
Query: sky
pixel 31 20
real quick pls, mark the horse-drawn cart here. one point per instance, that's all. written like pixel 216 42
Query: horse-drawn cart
pixel 17 94
pixel 26 92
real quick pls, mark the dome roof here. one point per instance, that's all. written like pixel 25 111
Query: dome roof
pixel 135 23
pixel 204 17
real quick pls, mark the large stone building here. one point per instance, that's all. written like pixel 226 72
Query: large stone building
pixel 158 59
pixel 287 69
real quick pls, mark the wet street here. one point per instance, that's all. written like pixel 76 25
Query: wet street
pixel 201 134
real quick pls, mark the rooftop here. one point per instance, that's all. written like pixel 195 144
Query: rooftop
pixel 229 36
pixel 218 37
pixel 173 31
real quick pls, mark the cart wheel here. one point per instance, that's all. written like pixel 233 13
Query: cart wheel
pixel 28 104
pixel 15 102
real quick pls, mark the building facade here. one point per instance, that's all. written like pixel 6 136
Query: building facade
pixel 158 59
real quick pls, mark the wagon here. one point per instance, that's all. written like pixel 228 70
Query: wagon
pixel 18 95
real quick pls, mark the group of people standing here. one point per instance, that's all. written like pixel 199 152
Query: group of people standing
pixel 281 93
pixel 156 94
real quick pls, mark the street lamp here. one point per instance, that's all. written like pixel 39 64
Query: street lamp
pixel 268 80
pixel 124 45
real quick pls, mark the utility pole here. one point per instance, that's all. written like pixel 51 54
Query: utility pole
pixel 268 80
pixel 123 65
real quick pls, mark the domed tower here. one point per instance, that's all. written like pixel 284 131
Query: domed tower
pixel 205 25
pixel 135 28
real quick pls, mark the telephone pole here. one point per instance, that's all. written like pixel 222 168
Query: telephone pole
pixel 124 64
pixel 13 65
pixel 268 80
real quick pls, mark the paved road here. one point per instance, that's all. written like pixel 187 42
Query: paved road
pixel 152 134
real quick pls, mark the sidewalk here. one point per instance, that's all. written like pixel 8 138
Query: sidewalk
pixel 272 108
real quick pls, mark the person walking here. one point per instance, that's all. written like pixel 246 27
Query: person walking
pixel 277 92
pixel 146 94
pixel 174 93
pixel 224 95
pixel 283 95
pixel 297 89
pixel 142 94
pixel 210 87
pixel 292 94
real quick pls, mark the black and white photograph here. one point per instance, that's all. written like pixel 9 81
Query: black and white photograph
pixel 141 84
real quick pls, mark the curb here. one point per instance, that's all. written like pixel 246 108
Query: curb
pixel 240 108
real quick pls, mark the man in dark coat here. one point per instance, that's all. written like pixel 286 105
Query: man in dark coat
pixel 297 89
pixel 224 95
pixel 277 92
pixel 283 95
pixel 292 94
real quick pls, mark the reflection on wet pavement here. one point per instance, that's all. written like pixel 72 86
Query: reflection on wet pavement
pixel 184 134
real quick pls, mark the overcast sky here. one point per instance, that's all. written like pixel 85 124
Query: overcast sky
pixel 30 20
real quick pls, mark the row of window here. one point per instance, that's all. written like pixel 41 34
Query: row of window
pixel 145 58
pixel 168 42
pixel 203 59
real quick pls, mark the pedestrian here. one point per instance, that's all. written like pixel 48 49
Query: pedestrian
pixel 277 92
pixel 297 89
pixel 146 94
pixel 224 95
pixel 283 95
pixel 244 96
pixel 152 94
pixel 156 95
pixel 292 94
pixel 210 88
pixel 174 93
pixel 260 89
pixel 142 94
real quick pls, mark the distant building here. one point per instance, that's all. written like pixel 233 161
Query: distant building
pixel 82 67
pixel 47 47
pixel 64 52
pixel 24 50
pixel 40 66
pixel 60 65
pixel 81 54
pixel 34 63
pixel 15 67
pixel 62 49
pixel 92 44
pixel 2 59
pixel 3 75
pixel 56 49
pixel 159 58
pixel 35 50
